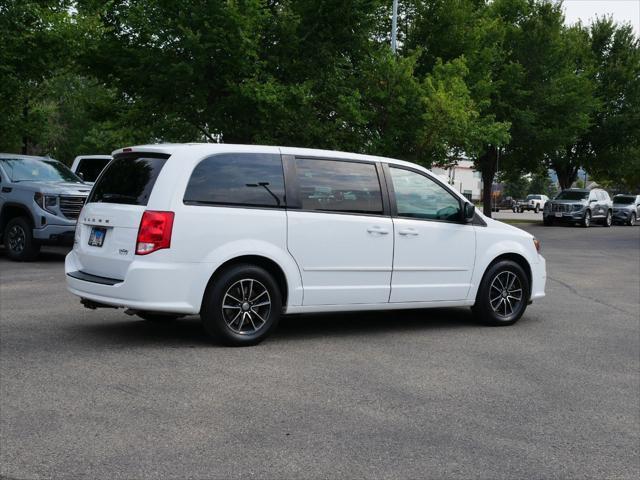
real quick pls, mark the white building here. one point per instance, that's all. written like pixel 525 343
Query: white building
pixel 463 178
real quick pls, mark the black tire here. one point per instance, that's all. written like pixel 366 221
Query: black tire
pixel 632 219
pixel 608 220
pixel 158 317
pixel 255 320
pixel 547 222
pixel 18 240
pixel 586 220
pixel 489 297
pixel 537 209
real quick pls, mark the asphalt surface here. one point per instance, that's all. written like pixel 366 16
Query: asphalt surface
pixel 98 394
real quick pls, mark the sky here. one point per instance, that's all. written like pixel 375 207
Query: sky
pixel 623 11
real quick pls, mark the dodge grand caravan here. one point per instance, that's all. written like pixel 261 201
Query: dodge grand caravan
pixel 244 234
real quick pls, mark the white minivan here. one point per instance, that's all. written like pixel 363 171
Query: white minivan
pixel 244 234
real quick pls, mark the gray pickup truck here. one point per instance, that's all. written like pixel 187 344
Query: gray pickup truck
pixel 40 201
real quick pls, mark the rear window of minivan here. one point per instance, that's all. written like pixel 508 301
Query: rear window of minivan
pixel 128 179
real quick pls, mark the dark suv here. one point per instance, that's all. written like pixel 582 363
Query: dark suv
pixel 40 201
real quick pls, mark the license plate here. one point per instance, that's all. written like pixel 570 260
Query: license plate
pixel 96 239
pixel 558 214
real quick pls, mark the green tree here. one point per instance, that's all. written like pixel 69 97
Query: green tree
pixel 35 45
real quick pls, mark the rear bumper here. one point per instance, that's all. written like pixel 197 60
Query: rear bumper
pixel 149 286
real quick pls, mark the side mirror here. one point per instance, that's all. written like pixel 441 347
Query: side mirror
pixel 81 175
pixel 469 212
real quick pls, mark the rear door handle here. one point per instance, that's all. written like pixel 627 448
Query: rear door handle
pixel 408 232
pixel 378 230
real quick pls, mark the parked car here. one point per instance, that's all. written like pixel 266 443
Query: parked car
pixel 626 209
pixel 576 205
pixel 518 206
pixel 40 200
pixel 503 203
pixel 88 167
pixel 535 202
pixel 244 234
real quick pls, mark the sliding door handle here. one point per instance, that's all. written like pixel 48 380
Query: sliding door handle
pixel 378 230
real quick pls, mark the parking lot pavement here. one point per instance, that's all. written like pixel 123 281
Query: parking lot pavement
pixel 98 394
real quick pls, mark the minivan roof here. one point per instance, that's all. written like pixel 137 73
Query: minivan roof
pixel 203 149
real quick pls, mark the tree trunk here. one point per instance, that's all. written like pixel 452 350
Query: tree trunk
pixel 25 138
pixel 487 165
pixel 567 174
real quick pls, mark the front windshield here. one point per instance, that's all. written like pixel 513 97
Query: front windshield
pixel 572 195
pixel 623 200
pixel 38 170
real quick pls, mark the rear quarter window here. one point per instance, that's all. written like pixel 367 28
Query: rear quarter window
pixel 242 179
pixel 128 179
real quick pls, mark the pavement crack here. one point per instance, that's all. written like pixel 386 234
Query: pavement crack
pixel 587 297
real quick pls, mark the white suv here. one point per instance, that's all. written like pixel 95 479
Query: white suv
pixel 243 234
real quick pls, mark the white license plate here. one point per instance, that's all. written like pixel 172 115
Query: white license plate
pixel 558 214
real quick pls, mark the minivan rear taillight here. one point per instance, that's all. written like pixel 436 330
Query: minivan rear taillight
pixel 154 232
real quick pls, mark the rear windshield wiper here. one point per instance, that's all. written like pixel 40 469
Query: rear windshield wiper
pixel 119 196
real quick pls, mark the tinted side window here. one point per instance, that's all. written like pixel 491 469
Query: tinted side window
pixel 252 179
pixel 417 196
pixel 128 179
pixel 90 168
pixel 339 186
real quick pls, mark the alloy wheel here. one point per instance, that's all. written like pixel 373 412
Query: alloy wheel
pixel 16 238
pixel 609 219
pixel 246 306
pixel 632 220
pixel 505 293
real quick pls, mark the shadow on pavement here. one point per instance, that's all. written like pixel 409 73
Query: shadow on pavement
pixel 188 332
pixel 47 254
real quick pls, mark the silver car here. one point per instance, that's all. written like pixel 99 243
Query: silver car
pixel 626 209
pixel 579 206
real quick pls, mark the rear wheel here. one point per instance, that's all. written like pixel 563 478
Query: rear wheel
pixel 608 220
pixel 242 306
pixel 503 294
pixel 18 240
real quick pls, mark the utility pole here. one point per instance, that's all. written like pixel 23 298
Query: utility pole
pixel 394 26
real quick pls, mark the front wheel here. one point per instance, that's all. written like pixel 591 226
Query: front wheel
pixel 608 220
pixel 537 209
pixel 632 219
pixel 547 221
pixel 586 221
pixel 18 239
pixel 242 306
pixel 503 294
